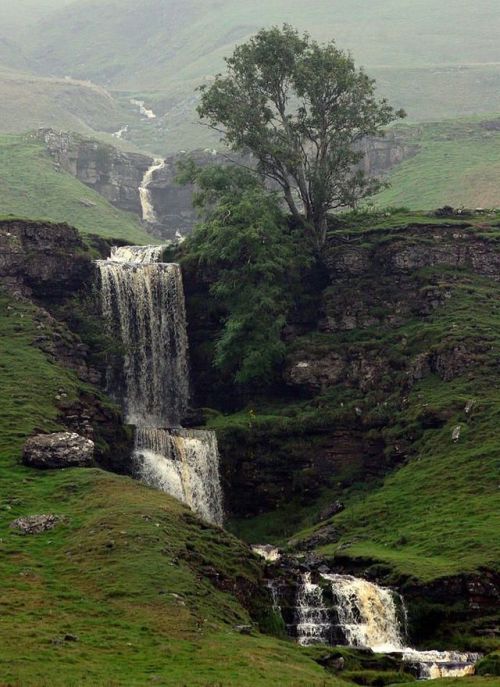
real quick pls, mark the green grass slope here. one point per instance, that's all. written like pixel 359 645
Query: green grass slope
pixel 127 572
pixel 458 165
pixel 29 101
pixel 31 186
pixel 437 514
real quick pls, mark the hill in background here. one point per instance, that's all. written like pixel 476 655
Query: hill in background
pixel 436 60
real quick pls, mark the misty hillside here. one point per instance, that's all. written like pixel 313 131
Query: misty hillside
pixel 435 59
pixel 126 44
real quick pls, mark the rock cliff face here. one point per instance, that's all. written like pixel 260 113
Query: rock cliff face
pixel 382 154
pixel 380 284
pixel 117 175
pixel 265 471
pixel 49 266
pixel 48 260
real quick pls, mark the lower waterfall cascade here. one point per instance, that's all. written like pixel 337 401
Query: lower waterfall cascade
pixel 313 617
pixel 142 302
pixel 367 617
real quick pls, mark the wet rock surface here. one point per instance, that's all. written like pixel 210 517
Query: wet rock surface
pixel 112 173
pixel 58 450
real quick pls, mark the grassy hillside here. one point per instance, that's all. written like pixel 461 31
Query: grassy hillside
pixel 147 46
pixel 458 165
pixel 127 571
pixel 161 51
pixel 31 186
pixel 437 513
pixel 28 102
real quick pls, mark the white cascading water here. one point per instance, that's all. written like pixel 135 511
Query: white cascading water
pixel 144 304
pixel 142 301
pixel 148 211
pixel 144 111
pixel 368 617
pixel 142 255
pixel 367 613
pixel 184 463
pixel 313 617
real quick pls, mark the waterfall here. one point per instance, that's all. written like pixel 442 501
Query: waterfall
pixel 313 618
pixel 183 463
pixel 120 132
pixel 143 255
pixel 368 617
pixel 367 613
pixel 269 553
pixel 144 306
pixel 148 211
pixel 144 111
pixel 142 302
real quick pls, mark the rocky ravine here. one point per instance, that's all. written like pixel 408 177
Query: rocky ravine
pixel 49 266
pixel 117 175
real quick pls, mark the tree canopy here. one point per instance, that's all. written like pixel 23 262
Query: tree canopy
pixel 301 108
pixel 253 258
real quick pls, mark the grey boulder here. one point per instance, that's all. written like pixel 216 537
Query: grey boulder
pixel 58 450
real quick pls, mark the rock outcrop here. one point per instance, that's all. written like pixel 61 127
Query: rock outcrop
pixel 114 174
pixel 58 450
pixel 35 524
pixel 117 175
pixel 44 259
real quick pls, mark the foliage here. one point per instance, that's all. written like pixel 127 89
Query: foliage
pixel 489 665
pixel 301 108
pixel 253 259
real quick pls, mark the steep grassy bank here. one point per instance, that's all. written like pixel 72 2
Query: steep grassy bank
pixel 458 165
pixel 409 354
pixel 31 186
pixel 129 588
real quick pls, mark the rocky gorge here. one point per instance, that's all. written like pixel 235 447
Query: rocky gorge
pixel 117 174
pixel 352 407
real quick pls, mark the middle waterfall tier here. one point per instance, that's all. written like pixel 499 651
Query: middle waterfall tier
pixel 183 463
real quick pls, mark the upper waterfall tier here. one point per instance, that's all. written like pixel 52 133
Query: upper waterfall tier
pixel 143 255
pixel 148 211
pixel 143 304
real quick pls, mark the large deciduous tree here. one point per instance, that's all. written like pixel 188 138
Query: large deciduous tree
pixel 254 260
pixel 300 107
